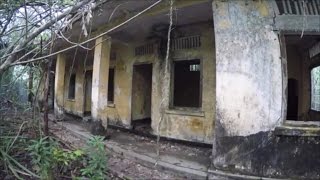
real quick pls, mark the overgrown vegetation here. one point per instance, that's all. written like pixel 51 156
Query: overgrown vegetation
pixel 13 141
pixel 96 165
pixel 50 160
pixel 26 156
pixel 29 29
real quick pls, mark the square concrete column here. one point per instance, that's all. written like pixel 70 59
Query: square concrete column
pixel 59 85
pixel 100 76
pixel 249 89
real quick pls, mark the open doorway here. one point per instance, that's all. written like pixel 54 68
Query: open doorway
pixel 88 88
pixel 303 93
pixel 141 97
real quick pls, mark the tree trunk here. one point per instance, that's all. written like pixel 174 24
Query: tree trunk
pixel 30 93
pixel 46 98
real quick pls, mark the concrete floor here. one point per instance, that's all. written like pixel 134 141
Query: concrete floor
pixel 189 161
pixel 134 156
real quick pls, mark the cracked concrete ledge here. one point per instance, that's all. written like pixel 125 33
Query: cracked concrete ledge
pixel 188 169
pixel 218 174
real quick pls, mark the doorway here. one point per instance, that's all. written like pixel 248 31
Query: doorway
pixel 88 90
pixel 303 89
pixel 141 97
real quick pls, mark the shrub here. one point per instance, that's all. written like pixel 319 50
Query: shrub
pixel 41 152
pixel 96 163
pixel 47 156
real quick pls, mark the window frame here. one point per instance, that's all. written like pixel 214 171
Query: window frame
pixel 171 95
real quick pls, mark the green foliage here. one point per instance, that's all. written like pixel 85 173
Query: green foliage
pixel 7 159
pixel 47 156
pixel 14 87
pixel 41 152
pixel 66 157
pixel 96 164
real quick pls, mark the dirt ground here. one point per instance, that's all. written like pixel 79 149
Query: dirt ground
pixel 119 166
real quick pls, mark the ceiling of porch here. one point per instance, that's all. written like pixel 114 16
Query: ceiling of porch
pixel 140 28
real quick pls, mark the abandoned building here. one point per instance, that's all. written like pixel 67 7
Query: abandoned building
pixel 242 76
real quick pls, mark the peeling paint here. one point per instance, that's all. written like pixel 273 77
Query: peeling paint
pixel 184 127
pixel 248 67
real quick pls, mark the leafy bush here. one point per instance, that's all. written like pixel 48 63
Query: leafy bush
pixel 10 147
pixel 41 152
pixel 96 164
pixel 47 156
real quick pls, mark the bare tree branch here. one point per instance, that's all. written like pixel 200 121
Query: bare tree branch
pixel 33 35
pixel 89 40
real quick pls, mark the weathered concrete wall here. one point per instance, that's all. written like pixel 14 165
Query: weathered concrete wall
pixel 251 100
pixel 269 155
pixel 249 75
pixel 76 105
pixel 62 76
pixel 120 112
pixel 187 124
pixel 305 91
pixel 179 124
pixel 294 62
pixel 59 85
pixel 141 92
pixel 100 75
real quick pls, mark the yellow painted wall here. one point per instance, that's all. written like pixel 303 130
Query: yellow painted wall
pixel 187 124
pixel 179 124
pixel 75 106
pixel 119 113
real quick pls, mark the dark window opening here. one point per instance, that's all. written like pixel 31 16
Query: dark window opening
pixel 186 83
pixel 88 93
pixel 72 87
pixel 292 99
pixel 111 86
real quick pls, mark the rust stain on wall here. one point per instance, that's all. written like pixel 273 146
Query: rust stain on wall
pixel 196 125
